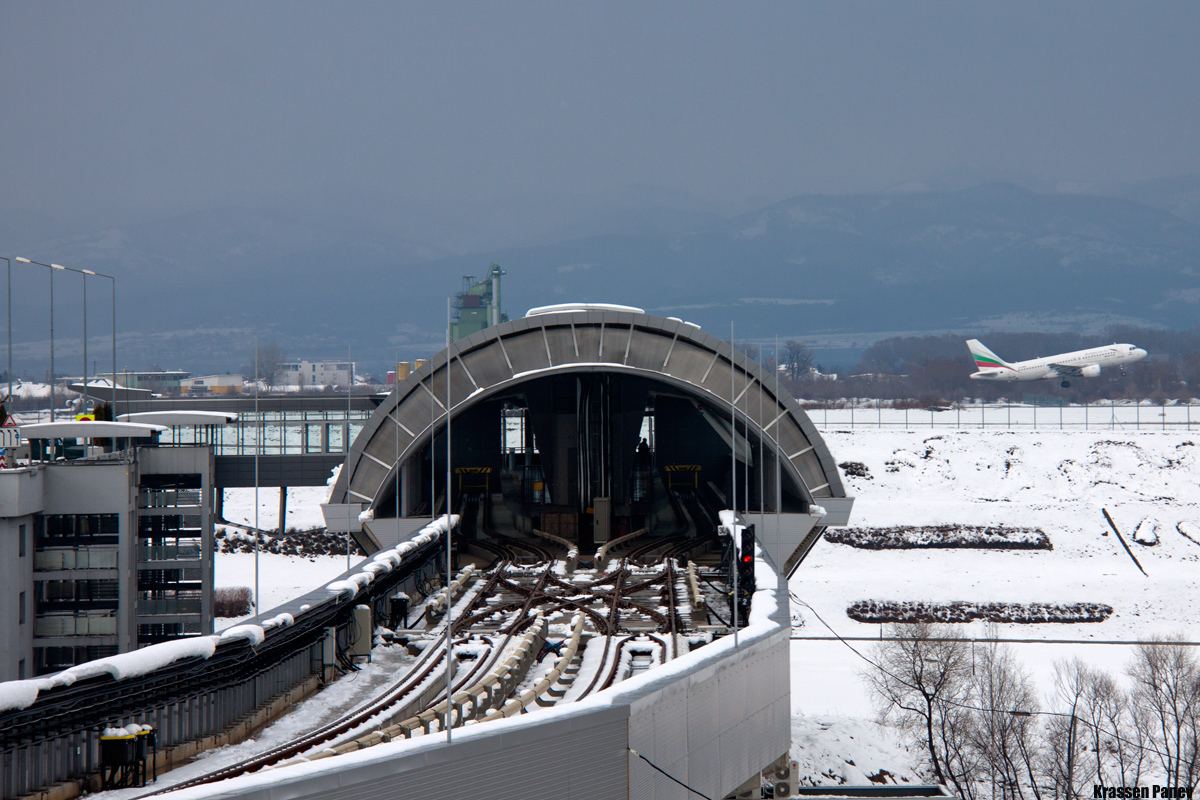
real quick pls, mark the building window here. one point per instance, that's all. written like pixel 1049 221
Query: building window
pixel 21 540
pixel 76 595
pixel 21 610
pixel 54 659
pixel 21 670
pixel 76 530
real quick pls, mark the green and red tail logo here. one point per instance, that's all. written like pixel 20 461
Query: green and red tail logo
pixel 984 358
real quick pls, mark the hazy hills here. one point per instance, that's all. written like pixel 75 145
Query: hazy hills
pixel 194 288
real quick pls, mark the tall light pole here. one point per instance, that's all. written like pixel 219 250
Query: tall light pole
pixel 8 270
pixel 449 551
pixel 113 383
pixel 53 268
pixel 84 273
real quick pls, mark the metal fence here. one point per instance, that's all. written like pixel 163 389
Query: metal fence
pixel 1108 415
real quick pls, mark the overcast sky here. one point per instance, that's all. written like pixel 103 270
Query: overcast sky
pixel 144 108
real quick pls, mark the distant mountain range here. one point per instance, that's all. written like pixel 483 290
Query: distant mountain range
pixel 194 289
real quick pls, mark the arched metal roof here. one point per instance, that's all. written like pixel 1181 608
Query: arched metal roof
pixel 670 351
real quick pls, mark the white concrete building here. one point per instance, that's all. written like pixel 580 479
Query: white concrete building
pixel 104 550
pixel 318 373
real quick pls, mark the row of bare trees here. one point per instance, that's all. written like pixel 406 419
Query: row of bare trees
pixel 974 714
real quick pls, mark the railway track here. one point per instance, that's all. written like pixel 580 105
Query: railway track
pixel 629 611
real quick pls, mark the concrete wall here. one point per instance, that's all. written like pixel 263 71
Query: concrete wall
pixel 191 461
pixel 20 498
pixel 99 487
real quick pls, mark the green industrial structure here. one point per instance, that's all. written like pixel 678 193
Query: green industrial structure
pixel 477 306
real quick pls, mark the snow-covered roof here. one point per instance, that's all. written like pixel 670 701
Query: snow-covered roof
pixel 101 390
pixel 568 308
pixel 89 429
pixel 169 418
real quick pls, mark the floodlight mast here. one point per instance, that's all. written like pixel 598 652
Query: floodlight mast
pixel 449 552
pixel 733 540
pixel 53 268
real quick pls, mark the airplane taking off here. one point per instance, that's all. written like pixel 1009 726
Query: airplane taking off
pixel 1079 364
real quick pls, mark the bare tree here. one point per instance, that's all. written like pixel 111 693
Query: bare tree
pixel 920 681
pixel 1066 738
pixel 1118 733
pixel 1006 731
pixel 749 348
pixel 798 358
pixel 1166 699
pixel 271 358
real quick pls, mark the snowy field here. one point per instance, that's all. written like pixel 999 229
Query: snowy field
pixel 303 507
pixel 1055 481
pixel 280 577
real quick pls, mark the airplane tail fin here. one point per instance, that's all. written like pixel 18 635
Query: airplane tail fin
pixel 984 358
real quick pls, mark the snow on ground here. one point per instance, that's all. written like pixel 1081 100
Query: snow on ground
pixel 303 507
pixel 830 749
pixel 1050 480
pixel 1056 481
pixel 281 578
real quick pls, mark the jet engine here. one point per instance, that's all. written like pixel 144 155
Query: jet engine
pixel 1090 371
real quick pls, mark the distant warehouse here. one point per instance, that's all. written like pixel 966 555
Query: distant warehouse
pixel 214 384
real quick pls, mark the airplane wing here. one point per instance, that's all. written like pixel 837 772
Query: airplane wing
pixel 1068 369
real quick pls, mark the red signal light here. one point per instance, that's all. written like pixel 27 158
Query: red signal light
pixel 747 559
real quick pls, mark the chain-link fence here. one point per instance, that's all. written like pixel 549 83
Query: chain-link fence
pixel 1108 415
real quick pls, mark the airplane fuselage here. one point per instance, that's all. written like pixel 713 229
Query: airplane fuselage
pixel 1080 363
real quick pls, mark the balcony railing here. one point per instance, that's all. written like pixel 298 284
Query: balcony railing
pixel 169 552
pixel 168 498
pixel 168 605
pixel 81 558
pixel 74 626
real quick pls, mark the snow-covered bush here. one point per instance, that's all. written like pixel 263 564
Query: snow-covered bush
pixel 232 601
pixel 877 611
pixel 304 543
pixel 903 537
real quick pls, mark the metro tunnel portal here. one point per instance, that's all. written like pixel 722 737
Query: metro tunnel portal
pixel 591 425
pixel 589 456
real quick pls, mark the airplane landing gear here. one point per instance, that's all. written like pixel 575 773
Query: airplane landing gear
pixel 1066 384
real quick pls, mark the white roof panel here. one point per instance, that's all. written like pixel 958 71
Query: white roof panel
pixel 88 429
pixel 170 418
